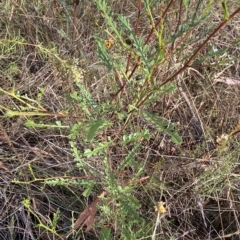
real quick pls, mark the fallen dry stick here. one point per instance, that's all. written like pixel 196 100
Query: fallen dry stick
pixel 227 80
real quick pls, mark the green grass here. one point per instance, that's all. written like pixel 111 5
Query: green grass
pixel 111 108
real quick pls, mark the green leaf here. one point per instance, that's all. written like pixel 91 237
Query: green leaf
pixel 163 125
pixel 129 159
pixel 93 127
pixel 134 201
pixel 186 3
pixel 89 188
pixel 129 206
pixel 100 149
pixel 136 136
pixel 225 10
pixel 105 234
pixel 176 138
pixel 102 53
pixel 56 216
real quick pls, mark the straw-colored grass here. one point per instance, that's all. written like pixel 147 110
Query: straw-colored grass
pixel 119 120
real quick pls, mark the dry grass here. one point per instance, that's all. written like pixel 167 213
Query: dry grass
pixel 198 180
